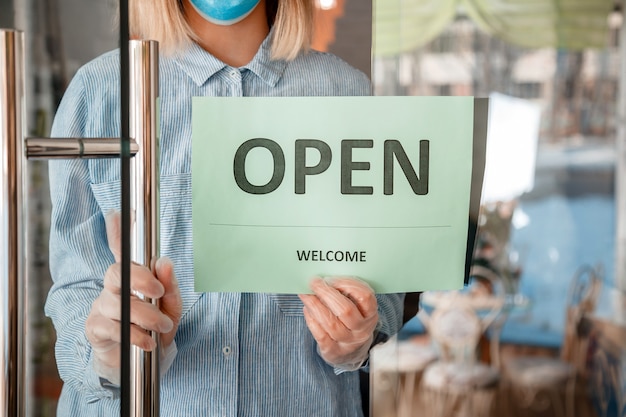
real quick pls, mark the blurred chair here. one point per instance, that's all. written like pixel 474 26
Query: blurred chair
pixel 396 370
pixel 544 384
pixel 458 384
pixel 411 307
pixel 491 284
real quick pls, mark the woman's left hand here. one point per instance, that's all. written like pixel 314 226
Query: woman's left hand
pixel 342 314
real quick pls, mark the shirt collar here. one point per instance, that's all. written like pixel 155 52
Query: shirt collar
pixel 201 65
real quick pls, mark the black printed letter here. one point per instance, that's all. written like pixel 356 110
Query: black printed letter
pixel 239 166
pixel 419 185
pixel 347 166
pixel 301 169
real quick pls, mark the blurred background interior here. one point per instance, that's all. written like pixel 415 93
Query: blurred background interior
pixel 541 328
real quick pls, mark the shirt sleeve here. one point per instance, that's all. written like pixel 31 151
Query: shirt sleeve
pixel 390 310
pixel 79 253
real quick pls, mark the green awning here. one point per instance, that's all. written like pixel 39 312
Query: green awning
pixel 404 25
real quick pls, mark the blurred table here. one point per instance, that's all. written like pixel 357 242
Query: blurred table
pixel 501 307
pixel 396 369
pixel 479 302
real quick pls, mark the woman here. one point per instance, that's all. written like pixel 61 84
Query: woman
pixel 224 353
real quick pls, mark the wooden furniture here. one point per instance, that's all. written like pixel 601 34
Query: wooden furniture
pixel 458 384
pixel 540 384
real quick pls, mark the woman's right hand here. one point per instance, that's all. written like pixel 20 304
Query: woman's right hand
pixel 103 323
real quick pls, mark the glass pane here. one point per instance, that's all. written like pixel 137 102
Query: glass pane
pixel 536 238
pixel 60 36
pixel 548 217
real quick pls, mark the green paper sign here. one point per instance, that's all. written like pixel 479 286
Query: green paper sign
pixel 285 189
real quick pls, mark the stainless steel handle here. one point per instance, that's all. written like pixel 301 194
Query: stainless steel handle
pixel 68 148
pixel 144 202
pixel 12 237
pixel 13 153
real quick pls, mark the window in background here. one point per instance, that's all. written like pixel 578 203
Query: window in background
pixel 566 217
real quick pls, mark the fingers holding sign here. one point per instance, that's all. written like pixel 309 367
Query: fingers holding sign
pixel 341 314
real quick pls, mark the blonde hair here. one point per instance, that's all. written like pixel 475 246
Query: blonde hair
pixel 164 21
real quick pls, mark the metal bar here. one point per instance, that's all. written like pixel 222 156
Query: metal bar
pixel 71 148
pixel 126 385
pixel 12 238
pixel 620 173
pixel 144 203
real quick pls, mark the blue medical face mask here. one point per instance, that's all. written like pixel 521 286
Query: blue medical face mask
pixel 224 12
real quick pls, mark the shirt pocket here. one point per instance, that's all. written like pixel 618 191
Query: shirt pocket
pixel 289 304
pixel 175 236
pixel 107 195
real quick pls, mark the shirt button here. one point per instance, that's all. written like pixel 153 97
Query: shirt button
pixel 234 73
pixel 226 350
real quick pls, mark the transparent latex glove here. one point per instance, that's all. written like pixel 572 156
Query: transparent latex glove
pixel 342 314
pixel 103 325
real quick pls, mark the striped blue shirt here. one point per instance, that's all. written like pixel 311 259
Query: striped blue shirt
pixel 239 354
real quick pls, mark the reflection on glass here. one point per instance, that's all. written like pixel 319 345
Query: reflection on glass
pixel 344 28
pixel 548 204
